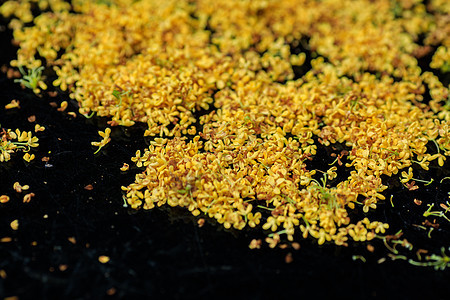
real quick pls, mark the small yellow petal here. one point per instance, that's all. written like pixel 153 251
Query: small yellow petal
pixel 103 259
pixel 125 167
pixel 14 224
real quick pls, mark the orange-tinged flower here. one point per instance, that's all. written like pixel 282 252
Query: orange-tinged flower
pixel 103 259
pixel 27 197
pixel 4 198
pixel 63 107
pixel 13 104
pixel 19 188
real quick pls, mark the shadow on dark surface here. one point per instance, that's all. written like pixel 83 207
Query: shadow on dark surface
pixel 66 227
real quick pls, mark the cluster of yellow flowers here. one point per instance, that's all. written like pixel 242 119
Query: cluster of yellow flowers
pixel 19 189
pixel 244 162
pixel 14 141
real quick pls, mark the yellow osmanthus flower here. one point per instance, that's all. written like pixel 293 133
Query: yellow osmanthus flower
pixel 331 172
pixel 271 224
pixel 273 241
pixel 255 244
pixel 4 198
pixel 106 139
pixel 13 104
pixel 20 188
pixel 64 106
pixel 38 128
pixel 407 176
pixel 28 157
pixel 24 138
pixel 14 224
pixel 27 197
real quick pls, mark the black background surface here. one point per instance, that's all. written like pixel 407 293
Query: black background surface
pixel 162 252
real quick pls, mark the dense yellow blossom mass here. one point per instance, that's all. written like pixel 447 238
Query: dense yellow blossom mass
pixel 235 112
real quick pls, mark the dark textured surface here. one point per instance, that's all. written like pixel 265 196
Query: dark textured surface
pixel 163 253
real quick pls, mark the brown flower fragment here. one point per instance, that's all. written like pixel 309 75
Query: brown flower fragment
pixel 111 291
pixel 411 185
pixel 63 267
pixel 419 252
pixel 295 245
pixel 288 258
pixel 430 224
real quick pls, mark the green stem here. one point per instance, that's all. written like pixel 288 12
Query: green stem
pixel 270 209
pixel 89 116
pixel 423 181
pixel 279 232
pixel 98 150
pixel 437 146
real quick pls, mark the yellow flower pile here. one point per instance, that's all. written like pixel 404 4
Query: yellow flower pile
pixel 235 124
